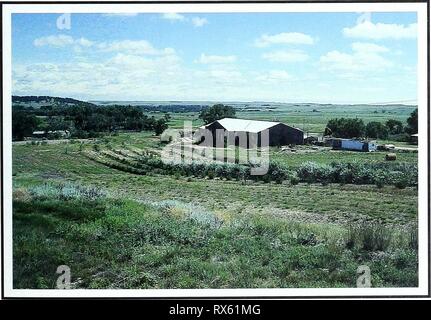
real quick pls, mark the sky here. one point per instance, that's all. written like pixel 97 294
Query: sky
pixel 274 57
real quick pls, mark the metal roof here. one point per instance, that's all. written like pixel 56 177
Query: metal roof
pixel 231 124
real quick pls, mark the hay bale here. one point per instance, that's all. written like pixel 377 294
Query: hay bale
pixel 391 157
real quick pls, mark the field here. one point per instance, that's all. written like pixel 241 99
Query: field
pixel 308 117
pixel 83 205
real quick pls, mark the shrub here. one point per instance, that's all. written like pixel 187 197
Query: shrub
pixel 65 191
pixel 369 237
pixel 401 183
pixel 294 180
pixel 413 239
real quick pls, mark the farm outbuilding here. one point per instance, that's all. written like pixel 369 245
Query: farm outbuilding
pixel 352 144
pixel 252 131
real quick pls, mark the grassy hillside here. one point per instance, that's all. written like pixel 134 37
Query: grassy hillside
pixel 112 243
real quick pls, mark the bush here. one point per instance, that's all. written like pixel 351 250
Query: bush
pixel 369 237
pixel 401 183
pixel 376 130
pixel 400 174
pixel 65 191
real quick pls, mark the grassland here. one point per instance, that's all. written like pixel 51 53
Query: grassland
pixel 163 231
pixel 309 117
pixel 67 162
pixel 111 243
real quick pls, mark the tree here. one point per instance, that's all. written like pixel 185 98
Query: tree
pixel 376 130
pixel 345 128
pixel 167 116
pixel 23 124
pixel 160 125
pixel 56 123
pixel 394 126
pixel 217 112
pixel 412 123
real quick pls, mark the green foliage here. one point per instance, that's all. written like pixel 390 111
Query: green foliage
pixel 23 124
pixel 360 173
pixel 376 130
pixel 216 112
pixel 345 128
pixel 400 174
pixel 160 125
pixel 85 120
pixel 119 243
pixel 369 237
pixel 412 123
pixel 395 126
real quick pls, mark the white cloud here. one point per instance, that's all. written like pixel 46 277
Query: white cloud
pixel 225 75
pixel 274 76
pixel 84 42
pixel 173 16
pixel 199 22
pixel 368 47
pixel 283 38
pixel 208 59
pixel 195 21
pixel 285 56
pixel 54 40
pixel 365 59
pixel 123 14
pixel 121 75
pixel 378 31
pixel 135 46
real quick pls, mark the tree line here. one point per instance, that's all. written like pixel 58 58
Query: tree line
pixel 83 120
pixel 356 128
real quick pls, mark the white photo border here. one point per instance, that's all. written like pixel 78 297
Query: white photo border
pixel 421 8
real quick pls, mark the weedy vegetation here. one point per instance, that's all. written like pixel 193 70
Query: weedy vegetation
pixel 123 243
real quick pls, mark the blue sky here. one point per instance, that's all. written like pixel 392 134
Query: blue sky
pixel 286 57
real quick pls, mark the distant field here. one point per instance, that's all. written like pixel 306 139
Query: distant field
pixel 310 118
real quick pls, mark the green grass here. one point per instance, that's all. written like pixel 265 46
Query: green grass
pixel 112 243
pixel 303 116
pixel 35 164
pixel 327 157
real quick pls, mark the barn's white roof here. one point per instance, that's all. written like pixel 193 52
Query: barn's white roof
pixel 231 124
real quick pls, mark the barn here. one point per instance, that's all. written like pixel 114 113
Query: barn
pixel 233 130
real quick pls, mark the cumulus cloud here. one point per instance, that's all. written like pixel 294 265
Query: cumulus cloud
pixel 136 46
pixel 273 76
pixel 285 56
pixel 199 22
pixel 283 38
pixel 365 59
pixel 195 21
pixel 84 42
pixel 121 14
pixel 54 40
pixel 368 47
pixel 208 59
pixel 120 75
pixel 173 16
pixel 378 31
